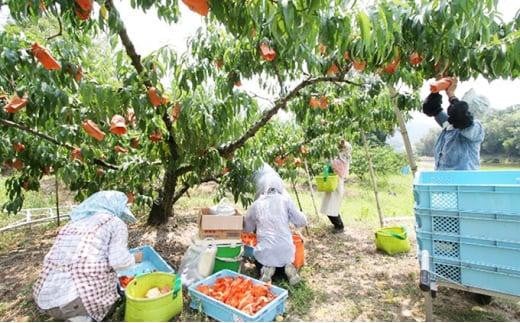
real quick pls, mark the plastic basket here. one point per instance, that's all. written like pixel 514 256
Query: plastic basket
pixel 299 248
pixel 473 191
pixel 228 257
pixel 249 252
pixel 225 313
pixel 159 309
pixel 152 262
pixel 326 183
pixel 489 253
pixel 392 240
pixel 497 279
pixel 490 226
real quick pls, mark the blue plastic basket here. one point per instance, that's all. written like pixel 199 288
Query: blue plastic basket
pixel 501 280
pixel 490 226
pixel 249 252
pixel 225 313
pixel 152 262
pixel 483 191
pixel 489 253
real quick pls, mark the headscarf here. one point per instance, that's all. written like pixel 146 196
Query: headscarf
pixel 345 151
pixel 273 185
pixel 476 102
pixel 266 174
pixel 111 202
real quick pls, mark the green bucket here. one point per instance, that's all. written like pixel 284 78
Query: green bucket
pixel 392 240
pixel 160 309
pixel 229 256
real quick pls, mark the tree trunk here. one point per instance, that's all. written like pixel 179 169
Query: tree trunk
pixel 162 208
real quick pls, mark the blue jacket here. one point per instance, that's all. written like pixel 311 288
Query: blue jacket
pixel 458 149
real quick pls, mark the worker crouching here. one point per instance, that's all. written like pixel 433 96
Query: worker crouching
pixel 270 217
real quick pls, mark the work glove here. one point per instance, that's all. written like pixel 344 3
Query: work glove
pixel 432 105
pixel 459 115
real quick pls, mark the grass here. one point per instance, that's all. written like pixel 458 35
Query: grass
pixel 302 297
pixel 31 200
pixel 359 205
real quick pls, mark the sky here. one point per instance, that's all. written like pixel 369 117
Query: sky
pixel 149 33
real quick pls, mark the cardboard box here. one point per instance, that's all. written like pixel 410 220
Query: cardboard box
pixel 220 226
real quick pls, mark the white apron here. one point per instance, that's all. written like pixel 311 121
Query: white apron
pixel 331 202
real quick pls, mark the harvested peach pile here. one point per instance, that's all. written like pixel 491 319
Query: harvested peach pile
pixel 239 292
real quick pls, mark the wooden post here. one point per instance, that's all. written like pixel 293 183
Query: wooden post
pixel 428 306
pixel 311 187
pixel 299 203
pixel 404 133
pixel 296 193
pixel 373 177
pixel 57 197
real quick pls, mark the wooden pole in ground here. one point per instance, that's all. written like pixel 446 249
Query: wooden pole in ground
pixel 57 197
pixel 404 133
pixel 373 177
pixel 428 306
pixel 311 187
pixel 299 203
pixel 296 193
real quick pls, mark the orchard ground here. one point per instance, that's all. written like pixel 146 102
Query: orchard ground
pixel 345 278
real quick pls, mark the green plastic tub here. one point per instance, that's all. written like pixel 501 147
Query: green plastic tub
pixel 160 309
pixel 326 183
pixel 392 240
pixel 229 256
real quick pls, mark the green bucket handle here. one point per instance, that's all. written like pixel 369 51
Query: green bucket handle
pixel 400 236
pixel 327 171
pixel 176 286
pixel 235 259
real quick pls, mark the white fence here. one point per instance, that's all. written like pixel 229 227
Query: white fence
pixel 38 216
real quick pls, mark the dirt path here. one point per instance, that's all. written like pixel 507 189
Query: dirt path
pixel 345 279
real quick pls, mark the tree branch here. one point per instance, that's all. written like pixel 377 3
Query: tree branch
pixel 228 149
pixel 44 136
pixel 59 32
pixel 178 194
pixel 186 187
pixel 183 170
pixel 127 43
pixel 258 96
pixel 136 62
pixel 280 81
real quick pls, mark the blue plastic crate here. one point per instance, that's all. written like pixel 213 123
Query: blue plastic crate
pixel 225 313
pixel 483 191
pixel 249 252
pixel 501 280
pixel 152 261
pixel 490 253
pixel 490 226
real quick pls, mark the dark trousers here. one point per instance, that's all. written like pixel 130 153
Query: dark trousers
pixel 278 274
pixel 336 221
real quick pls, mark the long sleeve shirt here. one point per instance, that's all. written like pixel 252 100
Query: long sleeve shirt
pixel 270 217
pixel 81 263
pixel 458 149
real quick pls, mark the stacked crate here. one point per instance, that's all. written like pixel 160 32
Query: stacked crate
pixel 469 221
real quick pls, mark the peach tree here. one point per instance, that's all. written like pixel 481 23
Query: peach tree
pixel 81 102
